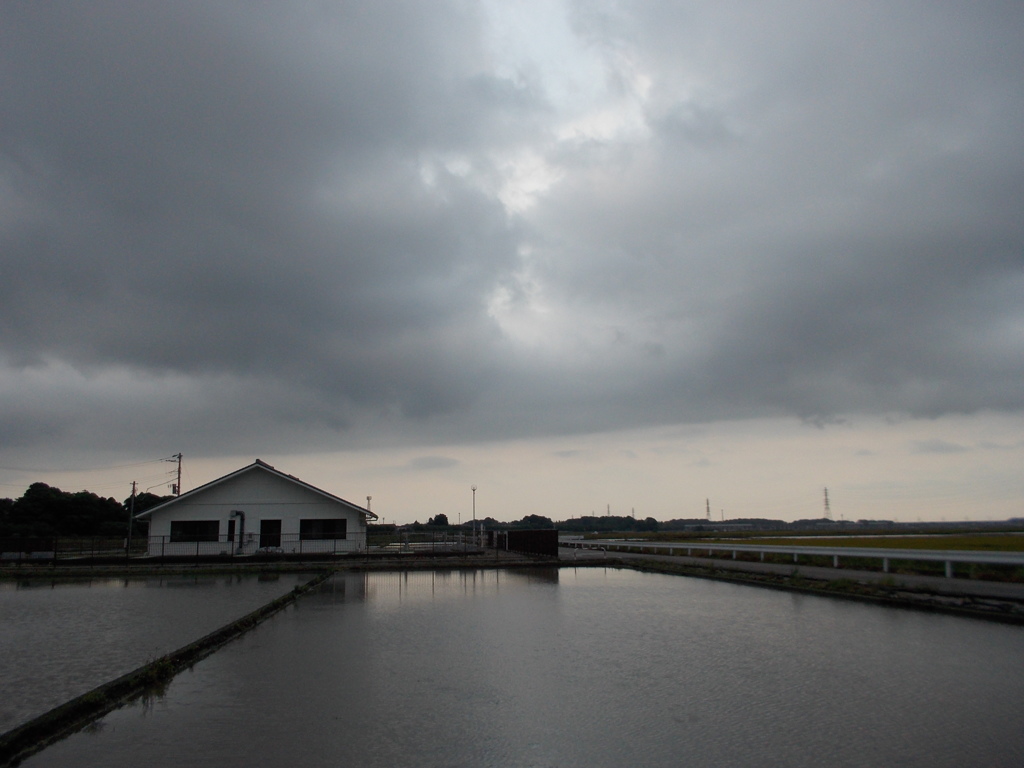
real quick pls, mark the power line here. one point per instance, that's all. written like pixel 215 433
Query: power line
pixel 68 470
pixel 164 478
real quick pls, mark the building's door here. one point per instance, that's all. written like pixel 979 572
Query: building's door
pixel 231 533
pixel 270 533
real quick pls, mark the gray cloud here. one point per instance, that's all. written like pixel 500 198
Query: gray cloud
pixel 427 463
pixel 938 446
pixel 284 228
pixel 569 453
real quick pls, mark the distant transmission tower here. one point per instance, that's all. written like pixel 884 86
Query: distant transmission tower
pixel 828 509
pixel 707 506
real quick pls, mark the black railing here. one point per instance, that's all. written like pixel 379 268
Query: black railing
pixel 43 550
pixel 249 544
pixel 36 549
pixel 48 550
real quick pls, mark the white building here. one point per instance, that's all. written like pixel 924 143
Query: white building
pixel 256 509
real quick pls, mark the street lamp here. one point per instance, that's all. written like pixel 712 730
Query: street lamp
pixel 473 489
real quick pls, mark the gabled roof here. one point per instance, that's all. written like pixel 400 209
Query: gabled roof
pixel 262 466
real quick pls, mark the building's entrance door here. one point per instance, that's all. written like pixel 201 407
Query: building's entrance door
pixel 270 533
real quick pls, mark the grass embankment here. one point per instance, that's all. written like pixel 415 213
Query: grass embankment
pixel 884 592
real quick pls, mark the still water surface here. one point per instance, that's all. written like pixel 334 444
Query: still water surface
pixel 580 668
pixel 61 639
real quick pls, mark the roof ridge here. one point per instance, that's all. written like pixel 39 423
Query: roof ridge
pixel 260 463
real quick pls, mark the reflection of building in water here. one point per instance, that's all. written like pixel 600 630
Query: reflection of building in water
pixel 342 587
pixel 385 587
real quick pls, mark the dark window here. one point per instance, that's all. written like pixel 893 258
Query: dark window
pixel 270 533
pixel 318 530
pixel 195 530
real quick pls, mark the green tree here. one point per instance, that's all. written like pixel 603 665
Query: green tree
pixel 6 506
pixel 47 511
pixel 143 501
pixel 536 522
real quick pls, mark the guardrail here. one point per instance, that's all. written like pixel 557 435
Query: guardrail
pixel 886 556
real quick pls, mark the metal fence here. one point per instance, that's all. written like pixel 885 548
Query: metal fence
pixel 37 549
pixel 426 542
pixel 249 544
pixel 50 549
pixel 41 550
pixel 45 550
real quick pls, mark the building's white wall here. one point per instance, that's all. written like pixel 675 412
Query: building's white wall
pixel 261 495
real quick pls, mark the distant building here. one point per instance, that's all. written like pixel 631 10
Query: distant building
pixel 252 510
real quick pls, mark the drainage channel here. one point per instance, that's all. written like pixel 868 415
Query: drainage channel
pixel 29 738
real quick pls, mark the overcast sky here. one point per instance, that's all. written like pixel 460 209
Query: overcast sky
pixel 621 253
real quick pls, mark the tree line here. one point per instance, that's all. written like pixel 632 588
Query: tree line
pixel 47 511
pixel 540 522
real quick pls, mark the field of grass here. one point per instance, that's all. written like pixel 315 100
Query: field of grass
pixel 977 542
pixel 1009 540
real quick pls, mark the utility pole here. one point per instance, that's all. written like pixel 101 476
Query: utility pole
pixel 176 487
pixel 131 515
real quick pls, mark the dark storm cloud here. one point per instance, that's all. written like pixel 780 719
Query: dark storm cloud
pixel 281 225
pixel 199 189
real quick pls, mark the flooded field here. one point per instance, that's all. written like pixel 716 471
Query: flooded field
pixel 579 668
pixel 61 639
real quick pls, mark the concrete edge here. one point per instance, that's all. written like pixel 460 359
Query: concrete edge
pixel 895 596
pixel 410 562
pixel 60 722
